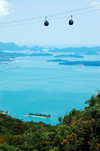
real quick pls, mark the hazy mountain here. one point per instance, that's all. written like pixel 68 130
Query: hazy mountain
pixel 12 46
pixel 36 48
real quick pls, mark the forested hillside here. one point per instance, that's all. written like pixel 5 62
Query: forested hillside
pixel 76 131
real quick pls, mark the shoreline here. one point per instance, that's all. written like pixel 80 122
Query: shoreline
pixel 38 116
pixel 5 112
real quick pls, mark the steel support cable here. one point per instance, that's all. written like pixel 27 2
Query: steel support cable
pixel 53 15
pixel 75 10
pixel 75 14
pixel 49 19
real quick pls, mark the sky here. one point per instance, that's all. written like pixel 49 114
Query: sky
pixel 30 14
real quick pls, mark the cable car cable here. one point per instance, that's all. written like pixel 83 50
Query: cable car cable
pixel 61 13
pixel 75 14
pixel 49 19
pixel 74 10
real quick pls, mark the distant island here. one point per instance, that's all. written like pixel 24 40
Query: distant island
pixel 39 115
pixel 41 54
pixel 76 49
pixel 91 53
pixel 4 112
pixel 57 60
pixel 5 56
pixel 85 63
pixel 10 56
pixel 70 55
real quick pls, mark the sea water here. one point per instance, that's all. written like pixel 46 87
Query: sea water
pixel 33 85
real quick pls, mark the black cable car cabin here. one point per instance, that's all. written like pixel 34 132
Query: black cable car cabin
pixel 46 23
pixel 71 22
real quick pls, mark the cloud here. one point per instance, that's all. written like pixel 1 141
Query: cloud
pixel 96 3
pixel 5 8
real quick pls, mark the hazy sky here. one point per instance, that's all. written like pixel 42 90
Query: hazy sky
pixel 84 32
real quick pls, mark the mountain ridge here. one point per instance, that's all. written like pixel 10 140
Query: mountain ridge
pixel 12 46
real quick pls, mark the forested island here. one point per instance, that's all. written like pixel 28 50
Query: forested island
pixel 39 115
pixel 78 130
pixel 41 54
pixel 57 60
pixel 76 49
pixel 91 53
pixel 5 56
pixel 70 55
pixel 85 63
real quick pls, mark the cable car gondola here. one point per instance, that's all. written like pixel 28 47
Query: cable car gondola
pixel 46 23
pixel 71 22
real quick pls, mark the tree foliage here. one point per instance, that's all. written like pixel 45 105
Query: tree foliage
pixel 77 131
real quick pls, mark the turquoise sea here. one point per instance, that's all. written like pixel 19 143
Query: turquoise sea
pixel 33 85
